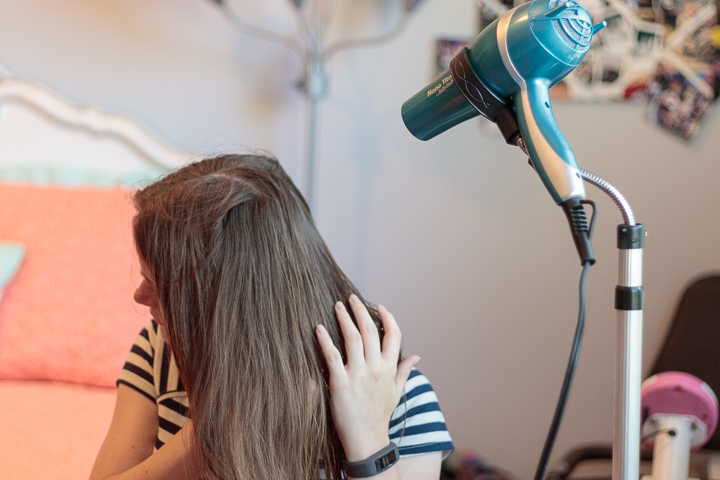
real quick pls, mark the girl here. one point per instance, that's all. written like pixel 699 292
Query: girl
pixel 246 371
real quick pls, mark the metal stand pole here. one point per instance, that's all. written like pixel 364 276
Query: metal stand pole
pixel 311 152
pixel 314 85
pixel 629 302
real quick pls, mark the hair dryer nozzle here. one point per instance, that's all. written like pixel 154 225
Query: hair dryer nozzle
pixel 440 106
pixel 436 108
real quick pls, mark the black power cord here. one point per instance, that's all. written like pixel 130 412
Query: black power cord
pixel 572 363
pixel 567 382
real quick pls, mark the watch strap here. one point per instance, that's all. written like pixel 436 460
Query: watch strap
pixel 374 464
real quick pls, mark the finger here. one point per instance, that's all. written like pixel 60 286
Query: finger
pixel 403 372
pixel 368 329
pixel 393 336
pixel 353 340
pixel 334 361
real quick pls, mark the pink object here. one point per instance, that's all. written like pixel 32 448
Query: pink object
pixel 68 314
pixel 678 393
pixel 52 430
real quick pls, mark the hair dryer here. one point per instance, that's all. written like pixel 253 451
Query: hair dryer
pixel 505 75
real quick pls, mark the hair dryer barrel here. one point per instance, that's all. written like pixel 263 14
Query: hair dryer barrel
pixel 436 108
pixel 442 105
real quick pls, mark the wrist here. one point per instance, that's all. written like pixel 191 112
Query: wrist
pixel 360 449
pixel 375 464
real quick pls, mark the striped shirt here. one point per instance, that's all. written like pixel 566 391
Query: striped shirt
pixel 417 425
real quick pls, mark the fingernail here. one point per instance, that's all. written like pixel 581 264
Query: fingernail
pixel 321 330
pixel 354 298
pixel 340 306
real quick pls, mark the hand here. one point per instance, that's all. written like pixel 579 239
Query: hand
pixel 364 392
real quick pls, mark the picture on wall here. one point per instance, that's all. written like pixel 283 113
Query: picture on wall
pixel 680 100
pixel 445 51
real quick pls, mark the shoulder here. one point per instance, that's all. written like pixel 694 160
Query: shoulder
pixel 418 390
pixel 418 425
pixel 418 398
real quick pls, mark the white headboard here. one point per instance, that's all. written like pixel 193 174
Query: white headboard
pixel 41 129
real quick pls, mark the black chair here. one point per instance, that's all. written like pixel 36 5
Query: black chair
pixel 692 345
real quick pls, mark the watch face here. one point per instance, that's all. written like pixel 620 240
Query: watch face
pixel 386 461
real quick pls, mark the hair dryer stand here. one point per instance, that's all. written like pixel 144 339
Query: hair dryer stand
pixel 629 303
pixel 505 75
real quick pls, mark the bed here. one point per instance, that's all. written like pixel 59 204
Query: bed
pixel 67 273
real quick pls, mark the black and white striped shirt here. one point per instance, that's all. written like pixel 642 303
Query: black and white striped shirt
pixel 417 425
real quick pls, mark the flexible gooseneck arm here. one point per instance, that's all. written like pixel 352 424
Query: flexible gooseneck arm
pixel 629 303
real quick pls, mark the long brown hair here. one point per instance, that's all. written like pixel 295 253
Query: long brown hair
pixel 243 278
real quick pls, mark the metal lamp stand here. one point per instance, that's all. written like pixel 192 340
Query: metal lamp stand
pixel 313 19
pixel 629 303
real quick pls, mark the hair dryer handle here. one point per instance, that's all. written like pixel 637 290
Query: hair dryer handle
pixel 550 153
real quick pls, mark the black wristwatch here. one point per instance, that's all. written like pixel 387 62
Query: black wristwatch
pixel 374 464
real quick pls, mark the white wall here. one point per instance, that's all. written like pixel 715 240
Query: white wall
pixel 456 236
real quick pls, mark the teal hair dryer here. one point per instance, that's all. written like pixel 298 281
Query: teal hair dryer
pixel 505 75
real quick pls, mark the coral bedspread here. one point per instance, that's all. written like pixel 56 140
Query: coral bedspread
pixel 55 429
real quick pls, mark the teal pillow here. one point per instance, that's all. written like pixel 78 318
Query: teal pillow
pixel 11 256
pixel 70 176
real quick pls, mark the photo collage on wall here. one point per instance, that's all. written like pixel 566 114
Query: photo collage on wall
pixel 665 53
